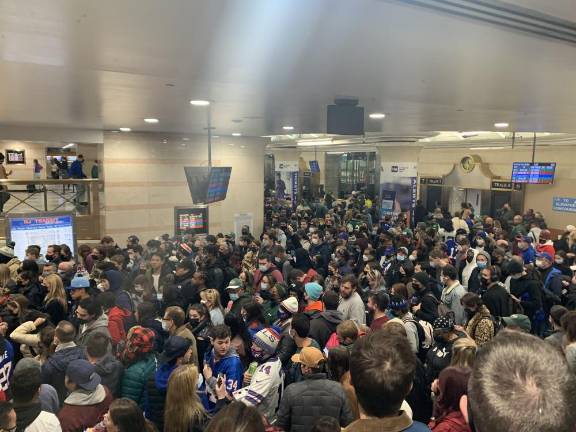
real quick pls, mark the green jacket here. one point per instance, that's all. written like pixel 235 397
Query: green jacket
pixel 270 311
pixel 135 379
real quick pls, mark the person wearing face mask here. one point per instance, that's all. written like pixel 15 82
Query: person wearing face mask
pixel 424 303
pixel 320 252
pixel 266 267
pixel 238 296
pixel 480 325
pixel 282 261
pixel 261 390
pixel 286 347
pixel 440 355
pixel 401 269
pixel 495 296
pixel 483 260
pixel 481 241
pixel 465 261
pixel 452 293
pixel 545 244
pixel 253 316
pixel 200 325
pixel 92 319
pixel 174 324
pixel 525 292
pixel 526 250
pixel 552 287
pixel 561 263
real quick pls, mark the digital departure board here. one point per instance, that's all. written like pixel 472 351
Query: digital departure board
pixel 218 184
pixel 533 173
pixel 191 220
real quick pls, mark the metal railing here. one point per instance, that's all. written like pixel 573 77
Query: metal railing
pixel 75 195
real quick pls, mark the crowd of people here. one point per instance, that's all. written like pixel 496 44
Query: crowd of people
pixel 332 319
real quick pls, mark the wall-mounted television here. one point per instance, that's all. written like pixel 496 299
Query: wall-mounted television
pixel 533 173
pixel 218 184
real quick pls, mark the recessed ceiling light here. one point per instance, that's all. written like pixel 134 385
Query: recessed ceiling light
pixel 151 120
pixel 288 127
pixel 215 136
pixel 200 102
pixel 185 139
pixel 242 146
pixel 236 134
pixel 501 125
pixel 377 116
pixel 125 129
pixel 231 144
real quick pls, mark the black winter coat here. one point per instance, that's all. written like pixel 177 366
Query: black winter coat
pixel 428 305
pixel 323 325
pixel 528 291
pixel 497 300
pixel 303 402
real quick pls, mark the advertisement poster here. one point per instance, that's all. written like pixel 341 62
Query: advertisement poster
pixel 241 219
pixel 400 178
pixel 387 203
pixel 287 180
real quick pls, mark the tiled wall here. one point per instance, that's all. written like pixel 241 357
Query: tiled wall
pixel 144 180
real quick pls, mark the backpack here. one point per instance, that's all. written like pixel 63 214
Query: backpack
pixel 425 336
pixel 443 310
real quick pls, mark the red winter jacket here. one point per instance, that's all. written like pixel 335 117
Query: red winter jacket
pixel 453 422
pixel 116 317
pixel 79 417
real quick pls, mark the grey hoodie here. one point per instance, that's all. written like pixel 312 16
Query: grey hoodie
pixel 99 325
pixel 110 370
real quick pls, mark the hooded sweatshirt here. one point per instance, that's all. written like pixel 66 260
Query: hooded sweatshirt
pixel 99 325
pixel 110 370
pixel 83 409
pixel 323 325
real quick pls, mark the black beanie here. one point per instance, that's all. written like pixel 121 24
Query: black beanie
pixel 422 278
pixel 514 267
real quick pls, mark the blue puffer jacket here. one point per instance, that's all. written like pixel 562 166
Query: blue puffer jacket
pixel 135 379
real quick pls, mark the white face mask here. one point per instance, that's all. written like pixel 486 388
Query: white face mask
pixel 365 258
pixel 262 267
pixel 559 261
pixel 315 241
pixel 165 326
pixel 264 286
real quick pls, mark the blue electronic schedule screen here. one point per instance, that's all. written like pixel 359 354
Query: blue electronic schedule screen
pixel 41 230
pixel 533 173
pixel 218 184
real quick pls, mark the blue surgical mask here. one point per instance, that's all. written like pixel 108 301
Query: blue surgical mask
pixel 233 296
pixel 400 257
pixel 264 286
pixel 481 264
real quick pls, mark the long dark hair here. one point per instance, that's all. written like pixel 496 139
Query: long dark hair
pixel 237 417
pixel 128 417
pixel 254 312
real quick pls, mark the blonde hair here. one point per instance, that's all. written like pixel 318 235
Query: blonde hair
pixel 56 291
pixel 212 296
pixel 183 405
pixel 464 353
pixel 5 276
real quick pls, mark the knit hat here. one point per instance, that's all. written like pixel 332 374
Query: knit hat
pixel 422 278
pixel 267 340
pixel 8 250
pixel 290 305
pixel 313 290
pixel 514 267
pixel 444 323
pixel 140 340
